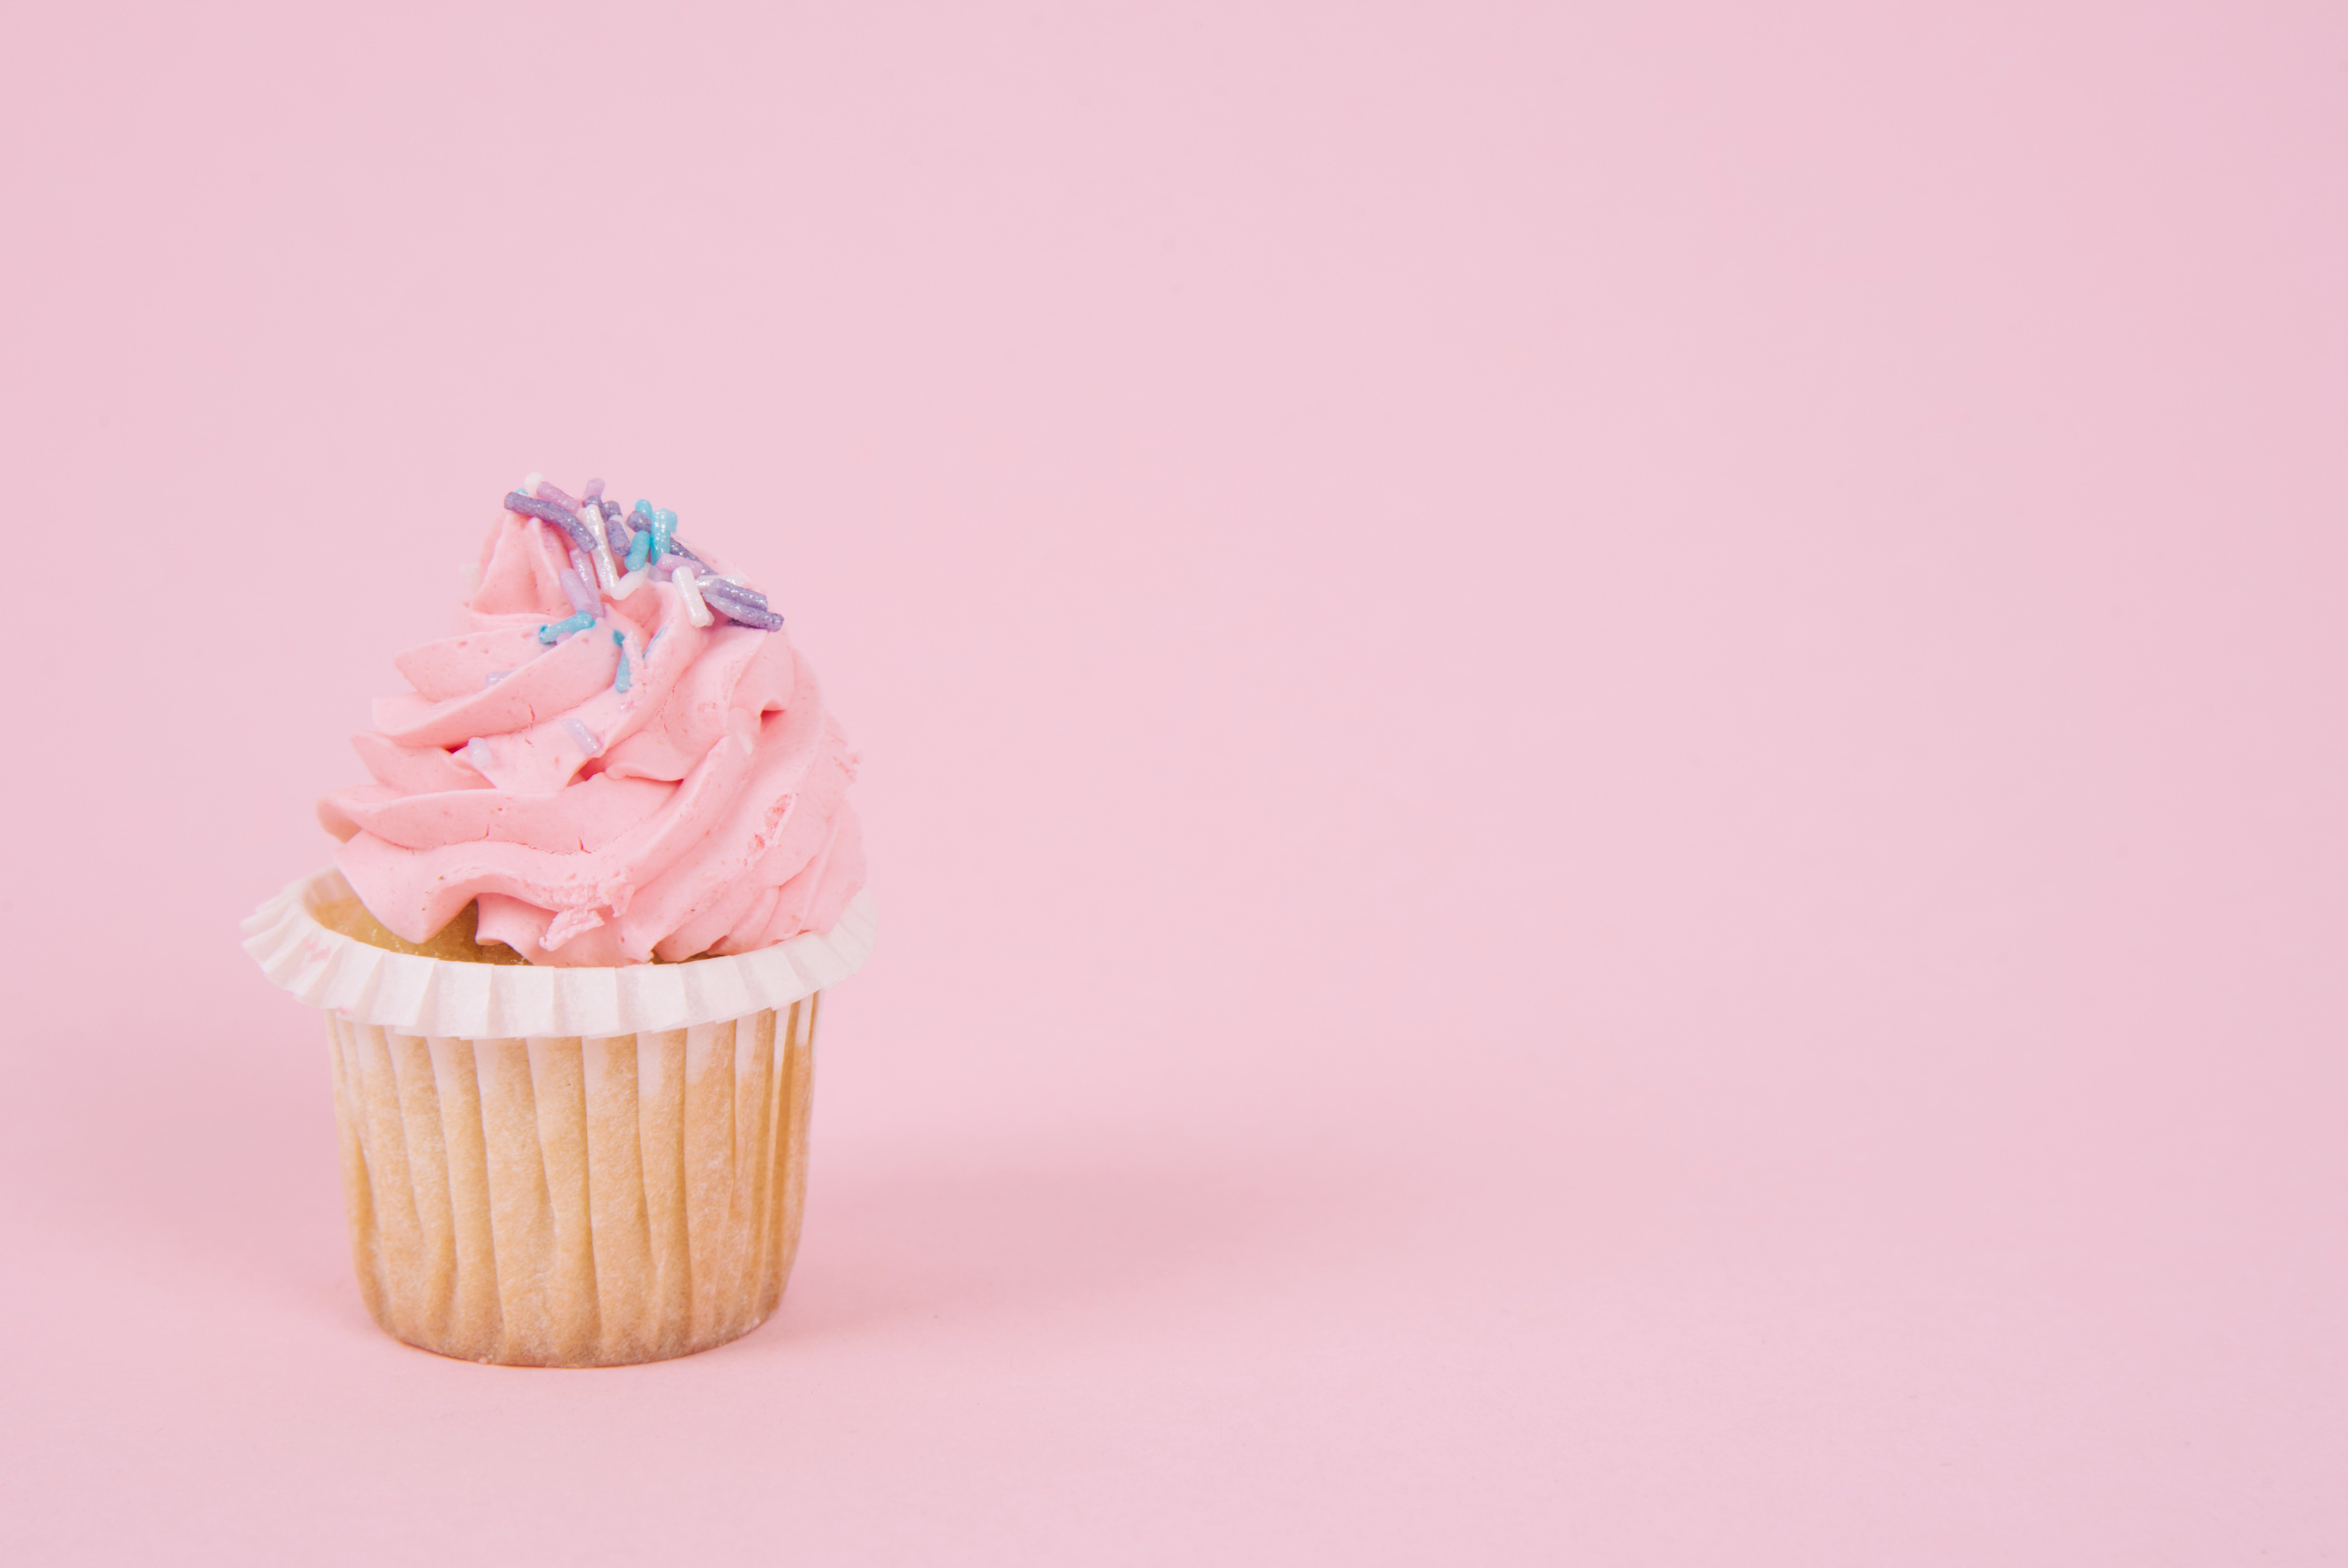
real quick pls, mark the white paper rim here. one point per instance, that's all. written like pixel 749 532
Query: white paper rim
pixel 448 1000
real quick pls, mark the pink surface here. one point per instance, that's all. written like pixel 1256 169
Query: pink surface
pixel 1604 766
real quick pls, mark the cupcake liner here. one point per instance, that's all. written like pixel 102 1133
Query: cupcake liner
pixel 566 1167
pixel 575 1202
pixel 363 984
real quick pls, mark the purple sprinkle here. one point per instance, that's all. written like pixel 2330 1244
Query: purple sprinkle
pixel 548 511
pixel 583 735
pixel 720 597
pixel 616 527
pixel 575 591
pixel 677 547
pixel 547 491
pixel 594 491
pixel 493 677
pixel 737 589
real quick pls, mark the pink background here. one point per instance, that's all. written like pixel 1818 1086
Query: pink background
pixel 1603 751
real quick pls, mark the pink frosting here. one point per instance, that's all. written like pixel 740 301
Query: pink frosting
pixel 701 811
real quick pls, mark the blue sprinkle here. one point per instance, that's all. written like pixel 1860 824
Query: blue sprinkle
pixel 547 636
pixel 639 550
pixel 618 640
pixel 644 505
pixel 664 531
pixel 623 680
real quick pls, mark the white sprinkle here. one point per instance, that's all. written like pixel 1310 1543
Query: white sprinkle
pixel 695 612
pixel 493 677
pixel 628 582
pixel 606 567
pixel 588 741
pixel 476 756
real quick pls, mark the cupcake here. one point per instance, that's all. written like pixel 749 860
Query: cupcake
pixel 572 946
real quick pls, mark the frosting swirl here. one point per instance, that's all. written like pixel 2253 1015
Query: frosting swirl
pixel 656 782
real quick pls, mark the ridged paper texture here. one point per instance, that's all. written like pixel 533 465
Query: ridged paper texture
pixel 575 1202
pixel 440 998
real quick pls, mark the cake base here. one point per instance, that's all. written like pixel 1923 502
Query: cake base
pixel 575 1202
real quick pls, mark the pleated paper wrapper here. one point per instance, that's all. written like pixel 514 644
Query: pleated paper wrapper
pixel 566 1167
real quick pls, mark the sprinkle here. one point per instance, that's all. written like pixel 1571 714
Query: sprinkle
pixel 583 735
pixel 575 588
pixel 735 587
pixel 548 511
pixel 493 677
pixel 475 755
pixel 722 598
pixel 695 612
pixel 623 679
pixel 607 571
pixel 618 552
